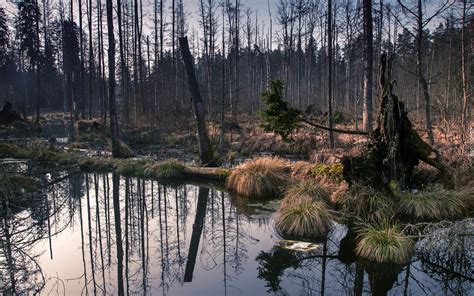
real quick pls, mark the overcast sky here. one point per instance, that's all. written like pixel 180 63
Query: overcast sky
pixel 191 8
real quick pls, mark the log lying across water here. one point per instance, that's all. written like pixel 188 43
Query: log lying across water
pixel 207 173
pixel 140 167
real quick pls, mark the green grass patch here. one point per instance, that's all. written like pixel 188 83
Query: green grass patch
pixel 169 169
pixel 307 220
pixel 305 191
pixel 330 171
pixel 366 202
pixel 434 203
pixel 384 244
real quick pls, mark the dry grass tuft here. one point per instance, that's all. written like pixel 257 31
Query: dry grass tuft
pixel 304 220
pixel 303 192
pixel 435 203
pixel 466 194
pixel 366 202
pixel 263 177
pixel 384 244
pixel 301 170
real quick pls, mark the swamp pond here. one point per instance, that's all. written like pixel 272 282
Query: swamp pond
pixel 195 239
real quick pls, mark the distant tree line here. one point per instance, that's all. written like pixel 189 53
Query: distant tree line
pixel 53 56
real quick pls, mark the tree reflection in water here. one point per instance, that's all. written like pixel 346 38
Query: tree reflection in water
pixel 137 236
pixel 45 214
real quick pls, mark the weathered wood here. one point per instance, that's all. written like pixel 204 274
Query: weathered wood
pixel 206 173
pixel 206 154
pixel 395 148
pixel 196 234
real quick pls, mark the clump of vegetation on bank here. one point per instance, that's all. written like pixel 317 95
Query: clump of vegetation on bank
pixel 367 203
pixel 263 177
pixel 311 219
pixel 305 191
pixel 384 244
pixel 434 203
pixel 169 169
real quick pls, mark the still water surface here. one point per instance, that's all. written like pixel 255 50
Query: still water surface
pixel 198 240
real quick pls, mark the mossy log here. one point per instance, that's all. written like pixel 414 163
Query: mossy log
pixel 395 148
pixel 206 173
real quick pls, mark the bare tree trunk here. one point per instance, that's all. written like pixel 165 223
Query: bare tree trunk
pixel 205 149
pixel 122 61
pixel 368 69
pixel 465 116
pixel 117 219
pixel 197 231
pixel 329 75
pixel 37 64
pixel 116 149
pixel 421 77
pixel 91 58
pixel 81 49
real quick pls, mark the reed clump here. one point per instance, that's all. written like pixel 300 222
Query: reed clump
pixel 433 203
pixel 305 220
pixel 263 177
pixel 305 191
pixel 384 244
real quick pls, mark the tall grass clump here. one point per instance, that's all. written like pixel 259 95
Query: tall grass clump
pixel 305 191
pixel 384 244
pixel 366 203
pixel 263 177
pixel 304 220
pixel 435 203
pixel 123 150
pixel 466 194
pixel 169 169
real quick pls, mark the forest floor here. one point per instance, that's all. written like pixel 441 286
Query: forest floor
pixel 243 138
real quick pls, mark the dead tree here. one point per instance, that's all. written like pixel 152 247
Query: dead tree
pixel 206 154
pixel 395 148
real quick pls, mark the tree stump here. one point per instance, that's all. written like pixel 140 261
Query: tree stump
pixel 395 148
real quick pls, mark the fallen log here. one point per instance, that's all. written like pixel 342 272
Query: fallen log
pixel 219 174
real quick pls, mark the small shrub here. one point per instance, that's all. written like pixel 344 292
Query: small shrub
pixel 305 191
pixel 304 220
pixel 384 244
pixel 262 177
pixel 434 203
